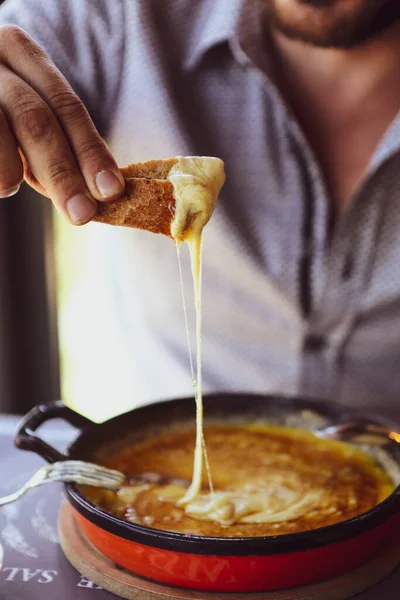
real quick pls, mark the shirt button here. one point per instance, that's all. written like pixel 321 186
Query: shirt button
pixel 314 342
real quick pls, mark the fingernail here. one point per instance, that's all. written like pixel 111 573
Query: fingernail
pixel 108 184
pixel 80 209
pixel 10 192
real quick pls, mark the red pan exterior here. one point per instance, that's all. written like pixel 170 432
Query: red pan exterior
pixel 238 573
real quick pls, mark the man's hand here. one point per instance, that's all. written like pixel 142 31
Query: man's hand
pixel 46 134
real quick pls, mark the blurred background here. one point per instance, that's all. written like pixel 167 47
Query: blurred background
pixel 50 335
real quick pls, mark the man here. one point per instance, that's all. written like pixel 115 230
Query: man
pixel 300 99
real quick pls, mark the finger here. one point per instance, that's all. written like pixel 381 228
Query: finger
pixel 46 148
pixel 25 57
pixel 29 176
pixel 11 172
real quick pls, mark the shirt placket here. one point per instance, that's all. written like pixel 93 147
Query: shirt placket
pixel 347 266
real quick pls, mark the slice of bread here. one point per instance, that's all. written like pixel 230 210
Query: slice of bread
pixel 148 201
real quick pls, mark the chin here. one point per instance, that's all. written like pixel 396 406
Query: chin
pixel 332 23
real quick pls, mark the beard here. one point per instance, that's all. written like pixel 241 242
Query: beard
pixel 332 23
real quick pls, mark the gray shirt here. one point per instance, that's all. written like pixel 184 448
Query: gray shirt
pixel 288 307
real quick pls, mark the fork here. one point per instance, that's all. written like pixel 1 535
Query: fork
pixel 70 471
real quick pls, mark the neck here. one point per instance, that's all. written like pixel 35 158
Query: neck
pixel 347 73
pixel 344 101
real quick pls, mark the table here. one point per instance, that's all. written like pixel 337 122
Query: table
pixel 34 566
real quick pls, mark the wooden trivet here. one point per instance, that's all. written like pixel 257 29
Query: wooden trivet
pixel 97 568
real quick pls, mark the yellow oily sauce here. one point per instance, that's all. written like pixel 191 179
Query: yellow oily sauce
pixel 278 480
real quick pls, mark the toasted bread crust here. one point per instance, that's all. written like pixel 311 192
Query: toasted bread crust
pixel 146 204
pixel 152 169
pixel 148 201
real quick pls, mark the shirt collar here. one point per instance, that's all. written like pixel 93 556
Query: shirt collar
pixel 237 22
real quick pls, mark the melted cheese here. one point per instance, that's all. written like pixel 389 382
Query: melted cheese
pixel 197 181
pixel 258 505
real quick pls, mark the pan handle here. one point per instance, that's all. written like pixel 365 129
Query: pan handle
pixel 26 440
